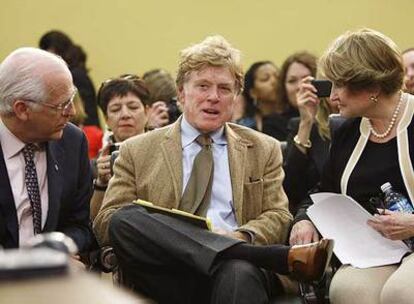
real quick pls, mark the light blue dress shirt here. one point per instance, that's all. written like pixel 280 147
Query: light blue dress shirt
pixel 221 211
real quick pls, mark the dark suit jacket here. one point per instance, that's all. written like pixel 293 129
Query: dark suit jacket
pixel 303 171
pixel 70 189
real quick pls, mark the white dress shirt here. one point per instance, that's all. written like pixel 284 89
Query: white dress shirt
pixel 221 211
pixel 15 164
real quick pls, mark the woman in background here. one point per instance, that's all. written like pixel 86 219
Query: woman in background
pixel 124 101
pixel 60 44
pixel 93 133
pixel 295 68
pixel 308 143
pixel 259 94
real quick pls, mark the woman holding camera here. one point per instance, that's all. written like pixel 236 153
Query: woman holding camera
pixel 367 73
pixel 296 67
pixel 308 141
pixel 124 101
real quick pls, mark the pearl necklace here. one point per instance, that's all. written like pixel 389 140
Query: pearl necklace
pixel 392 122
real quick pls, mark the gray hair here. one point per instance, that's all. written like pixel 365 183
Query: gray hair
pixel 22 76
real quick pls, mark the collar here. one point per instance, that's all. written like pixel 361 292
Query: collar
pixel 189 134
pixel 9 142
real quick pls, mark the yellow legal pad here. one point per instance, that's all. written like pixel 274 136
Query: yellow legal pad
pixel 196 220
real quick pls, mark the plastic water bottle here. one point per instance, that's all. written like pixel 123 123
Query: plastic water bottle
pixel 395 201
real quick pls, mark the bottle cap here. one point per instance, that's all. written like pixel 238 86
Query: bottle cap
pixel 385 187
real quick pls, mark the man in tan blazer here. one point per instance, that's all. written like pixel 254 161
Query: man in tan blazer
pixel 174 261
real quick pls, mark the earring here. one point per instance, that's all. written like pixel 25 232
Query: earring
pixel 374 99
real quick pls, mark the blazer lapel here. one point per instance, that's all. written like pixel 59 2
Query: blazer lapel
pixel 7 204
pixel 237 151
pixel 172 152
pixel 55 155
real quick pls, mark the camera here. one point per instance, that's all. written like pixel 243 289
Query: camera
pixel 323 87
pixel 173 110
pixel 114 152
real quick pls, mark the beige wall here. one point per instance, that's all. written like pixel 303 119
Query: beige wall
pixel 135 35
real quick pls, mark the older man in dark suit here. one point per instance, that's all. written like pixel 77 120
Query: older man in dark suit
pixel 45 177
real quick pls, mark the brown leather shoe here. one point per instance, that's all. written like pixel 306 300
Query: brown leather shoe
pixel 309 262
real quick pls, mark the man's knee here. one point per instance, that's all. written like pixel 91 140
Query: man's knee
pixel 119 226
pixel 240 269
pixel 240 280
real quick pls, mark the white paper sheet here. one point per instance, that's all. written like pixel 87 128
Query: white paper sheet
pixel 341 218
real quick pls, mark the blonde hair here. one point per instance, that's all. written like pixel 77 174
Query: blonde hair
pixel 364 59
pixel 213 51
pixel 160 84
pixel 80 115
pixel 322 119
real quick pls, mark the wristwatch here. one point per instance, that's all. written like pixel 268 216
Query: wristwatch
pixel 99 187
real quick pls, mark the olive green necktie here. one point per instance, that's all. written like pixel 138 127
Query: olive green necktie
pixel 197 193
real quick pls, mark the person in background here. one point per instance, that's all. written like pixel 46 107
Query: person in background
pixel 45 176
pixel 164 108
pixel 124 101
pixel 258 100
pixel 367 72
pixel 408 60
pixel 235 180
pixel 60 44
pixel 296 67
pixel 308 141
pixel 93 133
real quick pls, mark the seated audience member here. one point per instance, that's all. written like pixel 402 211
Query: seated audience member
pixel 124 102
pixel 59 43
pixel 259 94
pixel 367 72
pixel 203 165
pixel 164 108
pixel 295 68
pixel 93 133
pixel 45 176
pixel 408 60
pixel 308 143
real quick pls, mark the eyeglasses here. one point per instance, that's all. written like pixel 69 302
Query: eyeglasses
pixel 131 77
pixel 64 107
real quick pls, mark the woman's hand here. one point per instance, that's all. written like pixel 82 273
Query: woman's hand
pixel 307 100
pixel 157 115
pixel 307 106
pixel 103 165
pixel 303 232
pixel 394 225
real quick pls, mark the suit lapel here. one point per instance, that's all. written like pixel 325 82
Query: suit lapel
pixel 7 204
pixel 172 152
pixel 55 156
pixel 237 151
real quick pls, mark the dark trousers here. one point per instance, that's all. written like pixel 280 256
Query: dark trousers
pixel 176 262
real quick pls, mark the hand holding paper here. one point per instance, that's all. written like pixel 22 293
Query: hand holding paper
pixel 341 218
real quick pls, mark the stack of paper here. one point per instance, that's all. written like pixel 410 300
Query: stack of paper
pixel 341 218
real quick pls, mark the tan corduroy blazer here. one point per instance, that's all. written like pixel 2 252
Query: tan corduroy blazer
pixel 149 167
